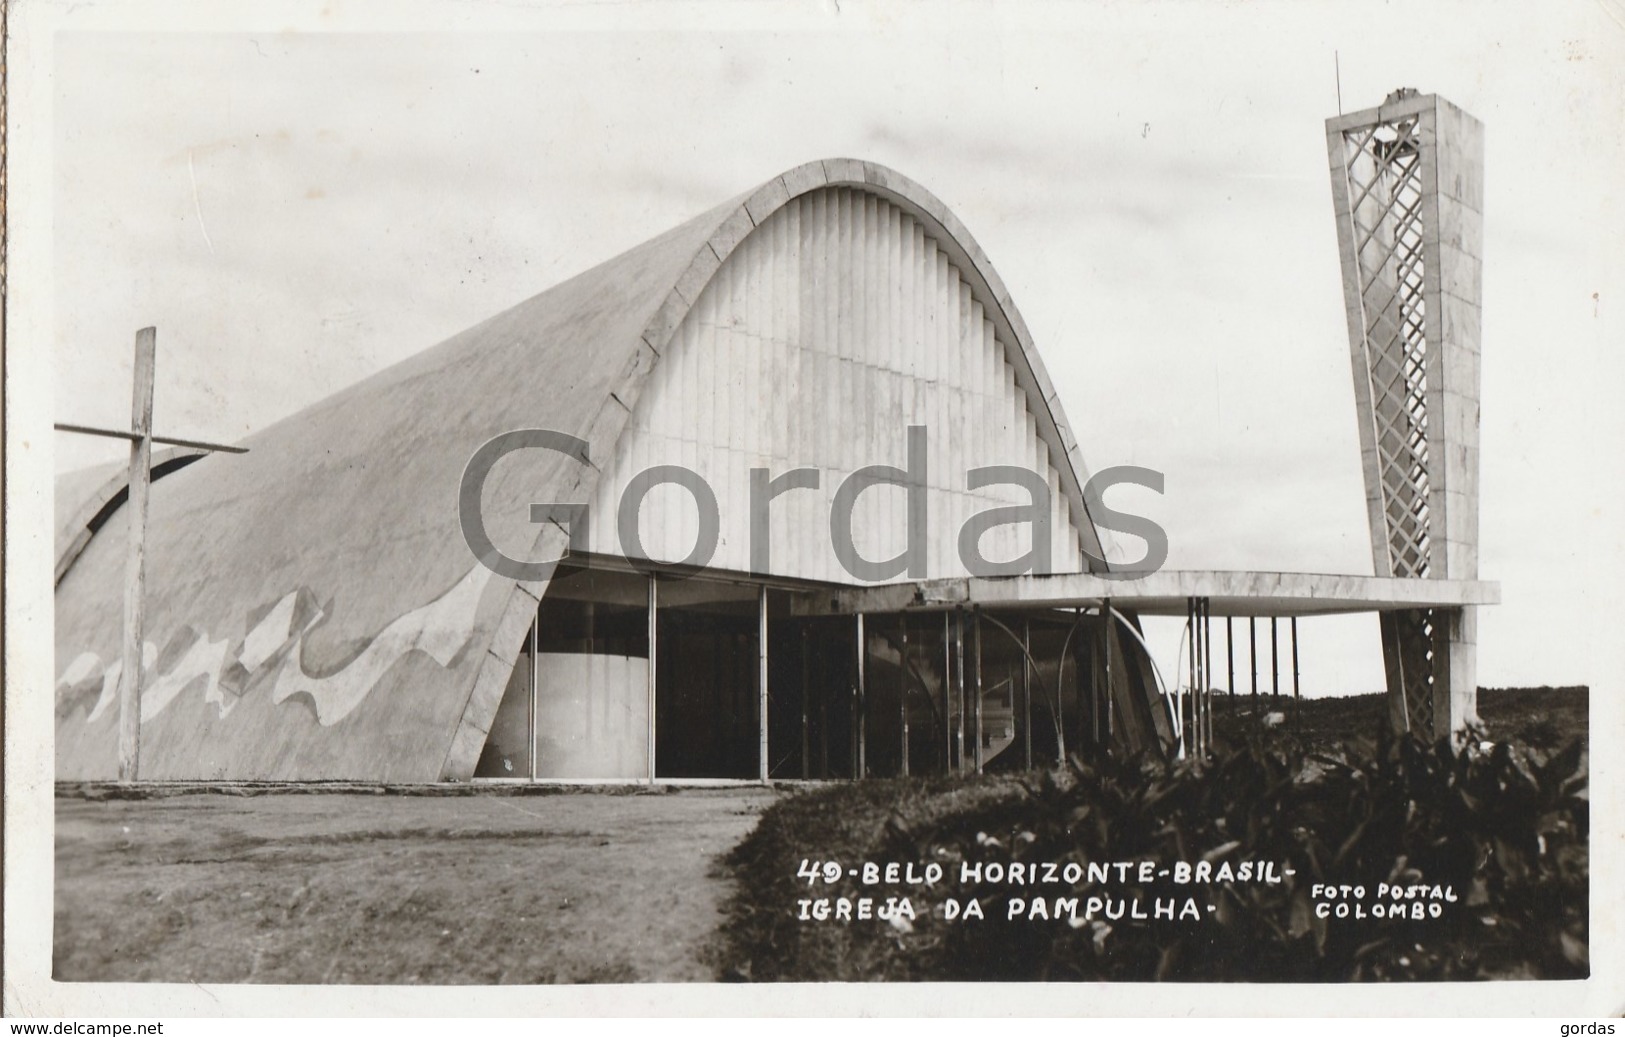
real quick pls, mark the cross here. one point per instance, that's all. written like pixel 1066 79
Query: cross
pixel 141 440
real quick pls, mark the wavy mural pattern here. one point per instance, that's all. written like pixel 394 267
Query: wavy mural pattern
pixel 270 656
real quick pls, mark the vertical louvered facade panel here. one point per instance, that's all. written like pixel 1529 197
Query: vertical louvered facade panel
pixel 834 326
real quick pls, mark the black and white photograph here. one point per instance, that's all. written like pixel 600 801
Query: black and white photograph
pixel 715 508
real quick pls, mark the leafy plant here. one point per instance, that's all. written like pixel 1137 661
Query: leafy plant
pixel 1502 828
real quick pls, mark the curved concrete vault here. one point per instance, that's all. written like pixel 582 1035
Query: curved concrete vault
pixel 313 609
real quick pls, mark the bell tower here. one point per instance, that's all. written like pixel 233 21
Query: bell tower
pixel 1408 193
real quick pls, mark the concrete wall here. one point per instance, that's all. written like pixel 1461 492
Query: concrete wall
pixel 592 716
pixel 313 610
pixel 833 327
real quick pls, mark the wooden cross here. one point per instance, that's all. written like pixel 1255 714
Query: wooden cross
pixel 141 440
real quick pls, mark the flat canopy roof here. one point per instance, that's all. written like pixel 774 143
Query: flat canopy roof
pixel 1229 593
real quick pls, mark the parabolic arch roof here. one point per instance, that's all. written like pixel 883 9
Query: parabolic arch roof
pixel 312 608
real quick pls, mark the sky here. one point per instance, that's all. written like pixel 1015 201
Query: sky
pixel 295 209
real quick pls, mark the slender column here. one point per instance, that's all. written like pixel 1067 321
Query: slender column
pixel 530 723
pixel 1027 692
pixel 1252 658
pixel 1201 676
pixel 1455 690
pixel 823 719
pixel 1207 672
pixel 959 685
pixel 806 762
pixel 947 695
pixel 1201 670
pixel 1109 622
pixel 1191 727
pixel 1275 664
pixel 902 686
pixel 654 608
pixel 1230 661
pixel 762 765
pixel 590 612
pixel 1297 701
pixel 859 765
pixel 1077 672
pixel 976 631
pixel 1097 679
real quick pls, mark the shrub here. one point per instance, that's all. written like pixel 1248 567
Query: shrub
pixel 1503 827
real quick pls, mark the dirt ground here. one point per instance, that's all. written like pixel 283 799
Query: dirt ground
pixel 358 887
pixel 575 887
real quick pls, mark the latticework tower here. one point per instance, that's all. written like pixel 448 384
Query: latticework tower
pixel 1407 185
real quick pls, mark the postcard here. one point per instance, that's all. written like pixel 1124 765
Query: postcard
pixel 811 508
